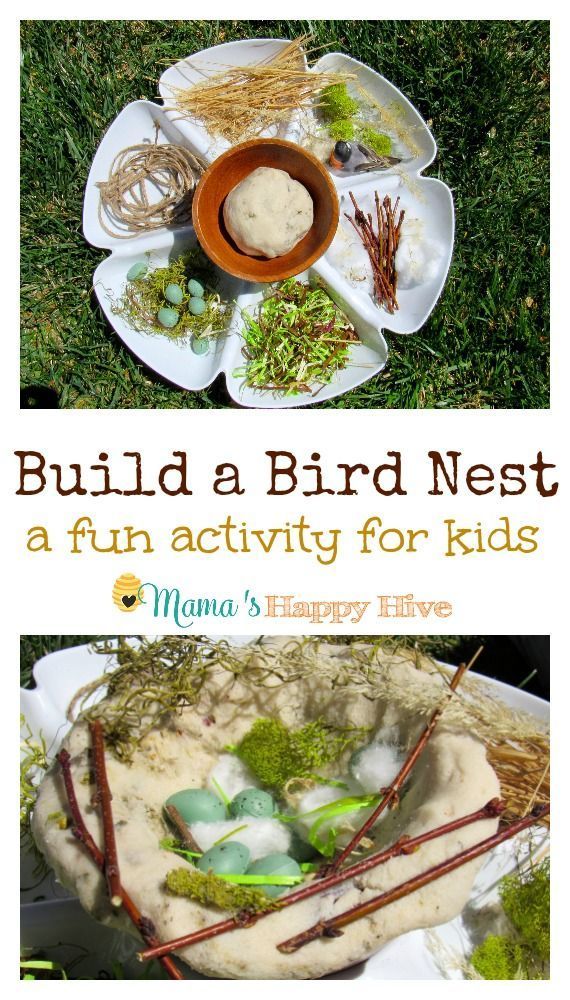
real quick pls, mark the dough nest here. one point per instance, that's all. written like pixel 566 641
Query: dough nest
pixel 451 779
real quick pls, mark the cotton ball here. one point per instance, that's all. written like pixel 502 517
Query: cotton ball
pixel 324 795
pixel 347 254
pixel 376 766
pixel 321 795
pixel 261 836
pixel 417 259
pixel 231 774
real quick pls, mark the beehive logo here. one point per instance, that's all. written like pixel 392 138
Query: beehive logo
pixel 126 592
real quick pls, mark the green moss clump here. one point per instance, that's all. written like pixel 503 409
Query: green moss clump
pixel 381 144
pixel 525 955
pixel 342 129
pixel 275 754
pixel 209 890
pixel 526 901
pixel 499 958
pixel 336 103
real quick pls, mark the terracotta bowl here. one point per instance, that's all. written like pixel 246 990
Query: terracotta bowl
pixel 231 168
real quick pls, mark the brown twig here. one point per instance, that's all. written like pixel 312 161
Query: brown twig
pixel 381 246
pixel 405 845
pixel 103 798
pixel 333 926
pixel 186 838
pixel 390 795
pixel 80 831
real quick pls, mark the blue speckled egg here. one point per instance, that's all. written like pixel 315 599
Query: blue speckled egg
pixel 195 289
pixel 167 317
pixel 301 851
pixel 198 805
pixel 200 345
pixel 196 306
pixel 252 802
pixel 137 270
pixel 229 858
pixel 274 864
pixel 174 294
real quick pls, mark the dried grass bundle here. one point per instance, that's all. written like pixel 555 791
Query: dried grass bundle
pixel 243 101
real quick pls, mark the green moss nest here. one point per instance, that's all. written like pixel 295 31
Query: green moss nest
pixel 143 297
pixel 336 103
pixel 380 144
pixel 342 129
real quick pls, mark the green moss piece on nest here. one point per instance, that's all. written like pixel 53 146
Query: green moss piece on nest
pixel 336 103
pixel 342 129
pixel 275 754
pixel 499 958
pixel 209 890
pixel 525 955
pixel 526 901
pixel 381 144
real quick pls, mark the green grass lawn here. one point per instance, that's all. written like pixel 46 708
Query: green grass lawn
pixel 482 86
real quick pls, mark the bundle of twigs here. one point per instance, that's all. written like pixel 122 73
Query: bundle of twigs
pixel 243 101
pixel 381 246
pixel 125 201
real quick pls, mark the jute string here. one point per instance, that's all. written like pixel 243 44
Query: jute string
pixel 124 197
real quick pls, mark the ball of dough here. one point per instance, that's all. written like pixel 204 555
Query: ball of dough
pixel 268 213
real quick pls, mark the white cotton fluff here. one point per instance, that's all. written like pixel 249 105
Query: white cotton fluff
pixel 232 776
pixel 376 766
pixel 347 254
pixel 417 259
pixel 261 836
pixel 322 795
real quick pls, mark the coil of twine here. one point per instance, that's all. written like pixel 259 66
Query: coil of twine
pixel 125 200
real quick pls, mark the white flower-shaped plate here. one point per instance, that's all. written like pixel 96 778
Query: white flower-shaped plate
pixel 51 919
pixel 422 198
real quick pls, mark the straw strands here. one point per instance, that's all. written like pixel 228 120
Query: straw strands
pixel 243 101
